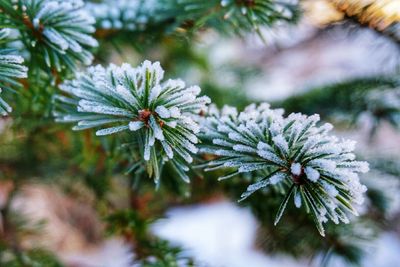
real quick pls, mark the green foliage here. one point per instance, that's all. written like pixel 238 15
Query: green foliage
pixel 348 242
pixel 160 114
pixel 159 123
pixel 165 255
pixel 229 15
pixel 348 100
pixel 122 15
pixel 56 33
pixel 29 258
pixel 150 250
pixel 293 154
pixel 10 68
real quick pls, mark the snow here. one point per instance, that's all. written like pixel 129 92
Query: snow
pixel 135 125
pixel 296 168
pixel 111 130
pixel 163 112
pixel 112 253
pixel 277 178
pixel 222 234
pixel 312 174
pixel 281 143
pixel 297 199
pixel 203 230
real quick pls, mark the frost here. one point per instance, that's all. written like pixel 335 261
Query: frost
pixel 295 168
pixel 56 38
pixel 251 167
pixel 10 68
pixel 243 148
pixel 297 199
pixel 175 112
pixel 158 133
pixel 163 112
pixel 357 166
pixel 263 146
pixel 111 130
pixel 168 150
pixel 261 140
pixel 312 174
pixel 155 91
pixel 281 143
pixel 270 156
pixel 330 189
pixel 257 186
pixel 229 111
pixel 138 99
pixel 324 164
pixel 277 178
pixel 121 14
pixel 222 142
pixel 65 27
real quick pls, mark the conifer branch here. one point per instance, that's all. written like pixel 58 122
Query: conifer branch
pixel 10 68
pixel 237 16
pixel 55 32
pixel 292 152
pixel 159 114
pixel 228 16
pixel 121 14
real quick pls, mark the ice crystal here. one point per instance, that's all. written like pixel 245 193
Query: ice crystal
pixel 124 98
pixel 295 152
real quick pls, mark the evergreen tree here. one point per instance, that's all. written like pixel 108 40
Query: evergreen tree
pixel 57 73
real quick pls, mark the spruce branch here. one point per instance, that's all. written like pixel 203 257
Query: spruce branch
pixel 130 15
pixel 54 31
pixel 159 114
pixel 10 68
pixel 292 153
pixel 238 16
pixel 228 16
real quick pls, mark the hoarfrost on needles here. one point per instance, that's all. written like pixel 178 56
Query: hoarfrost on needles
pixel 294 152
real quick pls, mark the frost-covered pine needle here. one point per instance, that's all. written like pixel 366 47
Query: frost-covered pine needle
pixel 160 114
pixel 10 68
pixel 317 168
pixel 234 16
pixel 60 31
pixel 128 15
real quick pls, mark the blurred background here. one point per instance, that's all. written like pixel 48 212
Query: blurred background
pixel 66 201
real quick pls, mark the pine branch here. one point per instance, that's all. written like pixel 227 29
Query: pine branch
pixel 159 114
pixel 230 15
pixel 56 33
pixel 130 15
pixel 10 68
pixel 291 152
